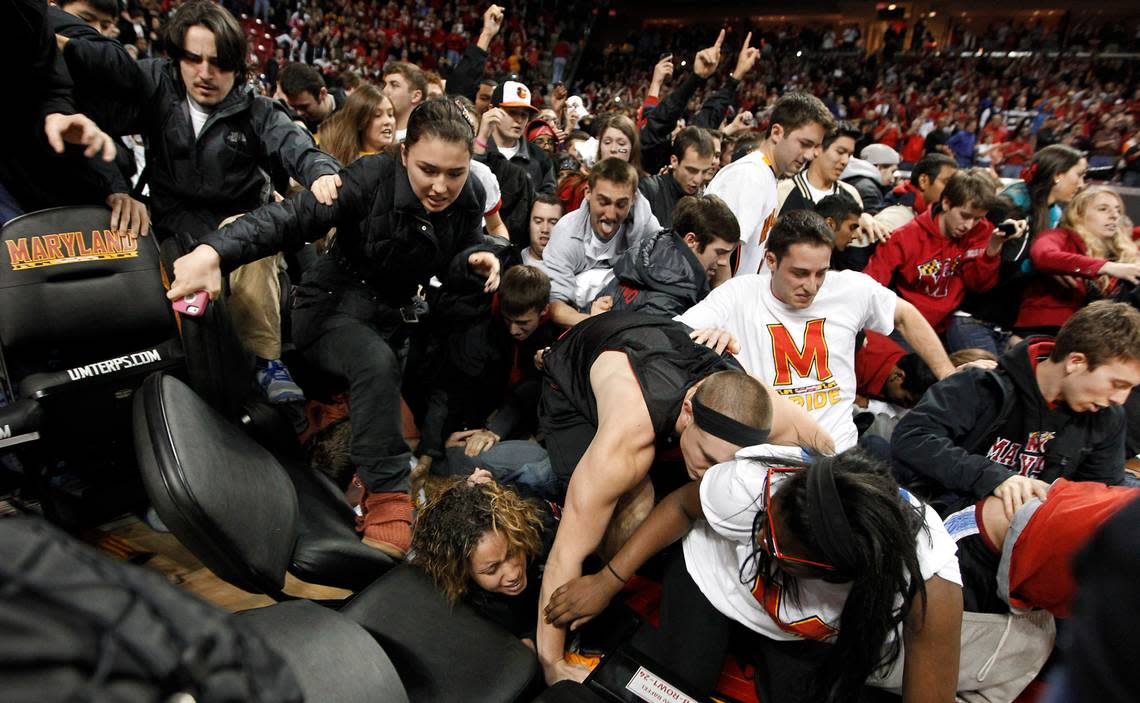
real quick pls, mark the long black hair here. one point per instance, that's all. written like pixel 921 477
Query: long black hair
pixel 883 527
pixel 1043 169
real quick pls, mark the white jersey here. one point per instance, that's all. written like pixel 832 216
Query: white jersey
pixel 748 187
pixel 805 355
pixel 720 546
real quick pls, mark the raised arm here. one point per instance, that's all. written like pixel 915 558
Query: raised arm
pixel 615 463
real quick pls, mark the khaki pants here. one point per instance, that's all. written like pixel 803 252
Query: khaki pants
pixel 255 306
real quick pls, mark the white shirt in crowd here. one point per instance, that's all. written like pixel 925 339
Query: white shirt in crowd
pixel 748 187
pixel 805 355
pixel 718 547
pixel 509 152
pixel 198 116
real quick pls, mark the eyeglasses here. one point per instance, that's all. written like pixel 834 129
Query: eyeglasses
pixel 771 542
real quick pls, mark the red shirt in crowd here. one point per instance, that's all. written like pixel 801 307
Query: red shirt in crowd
pixel 932 271
pixel 1047 303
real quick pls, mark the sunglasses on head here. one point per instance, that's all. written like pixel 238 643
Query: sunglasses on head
pixel 771 542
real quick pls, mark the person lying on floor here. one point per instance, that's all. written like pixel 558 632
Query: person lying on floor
pixel 485 544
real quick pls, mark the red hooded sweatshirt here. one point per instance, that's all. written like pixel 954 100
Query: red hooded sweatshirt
pixel 932 271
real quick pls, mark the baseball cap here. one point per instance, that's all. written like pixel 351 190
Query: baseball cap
pixel 512 94
pixel 879 155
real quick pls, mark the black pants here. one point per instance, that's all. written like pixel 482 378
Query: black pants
pixel 694 637
pixel 357 352
pixel 567 433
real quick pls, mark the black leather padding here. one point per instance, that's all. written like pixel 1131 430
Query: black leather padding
pixel 20 417
pixel 334 659
pixel 569 692
pixel 78 302
pixel 328 549
pixel 444 653
pixel 222 495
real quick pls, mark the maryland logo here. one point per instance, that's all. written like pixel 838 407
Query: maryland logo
pixel 935 275
pixel 811 355
pixel 811 627
pixel 38 251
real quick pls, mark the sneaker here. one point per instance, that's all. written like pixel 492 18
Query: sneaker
pixel 276 383
pixel 386 522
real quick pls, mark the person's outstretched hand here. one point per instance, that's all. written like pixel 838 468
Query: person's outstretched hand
pixel 201 269
pixel 708 59
pixel 78 129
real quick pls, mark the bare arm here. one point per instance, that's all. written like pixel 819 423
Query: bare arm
pixel 921 337
pixel 792 426
pixel 616 461
pixel 931 636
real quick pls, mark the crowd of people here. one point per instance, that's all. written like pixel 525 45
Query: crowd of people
pixel 781 322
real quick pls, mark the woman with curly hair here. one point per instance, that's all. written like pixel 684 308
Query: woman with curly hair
pixel 485 544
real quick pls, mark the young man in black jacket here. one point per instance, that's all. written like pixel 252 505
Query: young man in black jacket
pixel 1052 409
pixel 689 168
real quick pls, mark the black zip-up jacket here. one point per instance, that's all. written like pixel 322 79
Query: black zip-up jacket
pixel 386 243
pixel 659 276
pixel 662 191
pixel 195 183
pixel 948 438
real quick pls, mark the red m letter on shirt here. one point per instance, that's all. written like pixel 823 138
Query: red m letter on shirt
pixel 788 355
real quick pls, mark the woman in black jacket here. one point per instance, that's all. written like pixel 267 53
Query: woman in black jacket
pixel 399 222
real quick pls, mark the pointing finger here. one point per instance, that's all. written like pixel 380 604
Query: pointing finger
pixel 719 40
pixel 747 40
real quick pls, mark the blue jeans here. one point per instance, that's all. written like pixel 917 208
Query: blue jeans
pixel 513 461
pixel 972 333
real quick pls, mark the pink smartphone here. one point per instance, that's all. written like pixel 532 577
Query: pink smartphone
pixel 192 305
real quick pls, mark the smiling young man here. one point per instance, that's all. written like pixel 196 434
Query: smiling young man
pixel 670 271
pixel 1052 409
pixel 587 243
pixel 748 185
pixel 692 158
pixel 796 327
pixel 950 249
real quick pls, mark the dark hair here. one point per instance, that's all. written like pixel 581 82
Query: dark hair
pixel 229 39
pixel 707 217
pixel 412 73
pixel 448 529
pixel 545 199
pixel 107 7
pixel 842 129
pixel 884 527
pixel 930 166
pixel 488 82
pixel 697 138
pixel 613 170
pixel 523 289
pixel 439 118
pixel 296 78
pixel 838 206
pixel 917 376
pixel 966 187
pixel 794 110
pixel 737 395
pixel 1046 165
pixel 1103 331
pixel 349 80
pixel 799 227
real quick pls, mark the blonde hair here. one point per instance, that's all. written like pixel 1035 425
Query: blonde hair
pixel 1120 248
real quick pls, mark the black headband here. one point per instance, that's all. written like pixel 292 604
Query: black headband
pixel 724 427
pixel 825 510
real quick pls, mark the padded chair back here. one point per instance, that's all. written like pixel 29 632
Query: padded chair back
pixel 221 494
pixel 73 291
pixel 444 653
pixel 334 659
